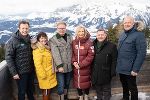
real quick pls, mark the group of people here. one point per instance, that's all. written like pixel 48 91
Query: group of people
pixel 91 63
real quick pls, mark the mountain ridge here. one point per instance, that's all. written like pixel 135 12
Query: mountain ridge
pixel 93 16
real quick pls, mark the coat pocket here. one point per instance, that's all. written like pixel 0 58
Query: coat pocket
pixel 127 65
pixel 129 45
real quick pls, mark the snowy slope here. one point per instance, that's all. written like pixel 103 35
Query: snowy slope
pixel 93 14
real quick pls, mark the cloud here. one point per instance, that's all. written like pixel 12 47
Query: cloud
pixel 13 7
pixel 10 7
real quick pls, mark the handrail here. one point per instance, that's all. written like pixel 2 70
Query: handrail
pixel 3 64
pixel 6 83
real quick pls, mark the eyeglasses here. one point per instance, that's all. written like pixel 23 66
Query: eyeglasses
pixel 61 28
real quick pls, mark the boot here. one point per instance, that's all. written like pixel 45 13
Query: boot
pixel 86 97
pixel 66 97
pixel 61 97
pixel 46 95
pixel 81 97
pixel 65 94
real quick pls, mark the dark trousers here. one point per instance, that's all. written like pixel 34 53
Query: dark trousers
pixel 129 84
pixel 63 80
pixel 25 85
pixel 81 91
pixel 103 91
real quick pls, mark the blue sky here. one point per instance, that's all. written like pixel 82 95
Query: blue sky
pixel 12 7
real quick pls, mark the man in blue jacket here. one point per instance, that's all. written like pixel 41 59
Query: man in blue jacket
pixel 131 55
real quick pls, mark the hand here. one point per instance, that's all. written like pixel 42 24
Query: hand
pixel 61 69
pixel 76 65
pixel 134 73
pixel 16 77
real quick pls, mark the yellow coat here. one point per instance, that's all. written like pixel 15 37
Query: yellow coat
pixel 43 66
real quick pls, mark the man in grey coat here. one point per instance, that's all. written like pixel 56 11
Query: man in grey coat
pixel 62 53
pixel 131 55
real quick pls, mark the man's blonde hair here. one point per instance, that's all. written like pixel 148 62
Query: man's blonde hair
pixel 61 22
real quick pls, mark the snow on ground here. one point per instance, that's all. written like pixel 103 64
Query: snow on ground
pixel 141 95
pixel 148 51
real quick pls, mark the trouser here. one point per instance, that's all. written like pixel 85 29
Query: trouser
pixel 129 84
pixel 25 85
pixel 103 91
pixel 63 80
pixel 80 91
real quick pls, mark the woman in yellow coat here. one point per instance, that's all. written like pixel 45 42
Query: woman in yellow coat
pixel 43 65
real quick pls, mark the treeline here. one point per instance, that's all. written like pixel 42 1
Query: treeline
pixel 2 52
pixel 114 32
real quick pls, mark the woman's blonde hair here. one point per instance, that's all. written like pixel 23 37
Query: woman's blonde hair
pixel 77 31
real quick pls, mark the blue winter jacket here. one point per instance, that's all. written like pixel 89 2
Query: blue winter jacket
pixel 131 52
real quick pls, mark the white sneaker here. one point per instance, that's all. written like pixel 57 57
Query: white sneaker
pixel 86 97
pixel 81 97
pixel 95 97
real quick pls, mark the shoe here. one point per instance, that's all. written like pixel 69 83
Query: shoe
pixel 124 99
pixel 61 97
pixel 81 97
pixel 65 97
pixel 86 97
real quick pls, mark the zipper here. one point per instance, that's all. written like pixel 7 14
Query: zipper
pixel 106 58
pixel 78 63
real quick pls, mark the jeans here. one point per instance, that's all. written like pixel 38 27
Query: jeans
pixel 25 85
pixel 63 81
pixel 129 84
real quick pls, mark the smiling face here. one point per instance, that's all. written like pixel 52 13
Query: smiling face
pixel 81 33
pixel 24 29
pixel 101 36
pixel 61 29
pixel 43 40
pixel 128 23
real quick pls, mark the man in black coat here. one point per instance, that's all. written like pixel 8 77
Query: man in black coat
pixel 20 61
pixel 104 65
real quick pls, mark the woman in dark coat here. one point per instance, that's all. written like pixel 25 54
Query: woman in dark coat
pixel 83 54
pixel 104 65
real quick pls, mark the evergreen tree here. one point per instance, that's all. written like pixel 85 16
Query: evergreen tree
pixel 112 35
pixel 2 53
pixel 147 35
pixel 147 32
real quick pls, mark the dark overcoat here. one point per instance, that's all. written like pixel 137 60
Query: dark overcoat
pixel 104 63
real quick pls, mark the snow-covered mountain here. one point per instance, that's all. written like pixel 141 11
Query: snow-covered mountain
pixel 93 14
pixel 4 36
